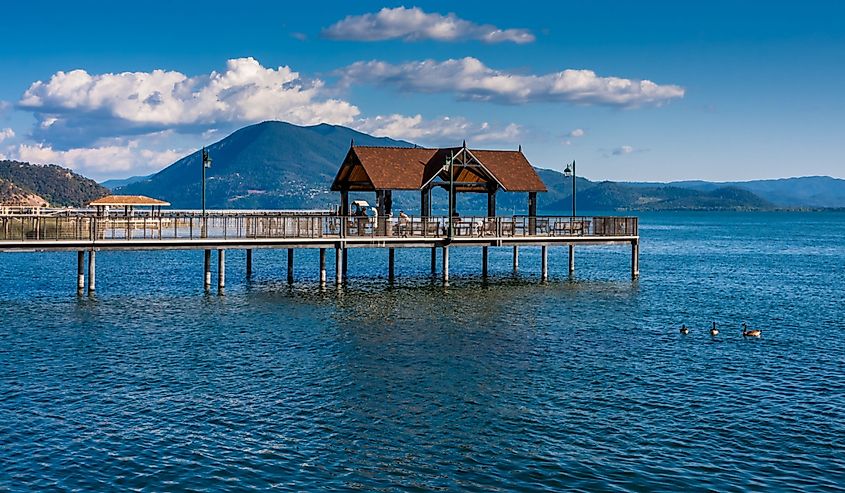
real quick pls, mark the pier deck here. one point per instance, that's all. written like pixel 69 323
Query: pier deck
pixel 81 232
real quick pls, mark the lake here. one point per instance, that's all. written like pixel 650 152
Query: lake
pixel 505 385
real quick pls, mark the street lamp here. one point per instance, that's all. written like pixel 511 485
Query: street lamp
pixel 571 172
pixel 206 163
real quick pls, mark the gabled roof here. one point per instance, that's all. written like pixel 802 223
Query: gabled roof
pixel 368 168
pixel 127 200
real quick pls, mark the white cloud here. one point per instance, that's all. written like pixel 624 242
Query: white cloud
pixel 622 150
pixel 445 130
pixel 102 161
pixel 578 132
pixel 470 79
pixel 77 105
pixel 6 133
pixel 414 24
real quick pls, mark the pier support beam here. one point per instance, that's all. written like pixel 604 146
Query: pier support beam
pixel 248 263
pixel 433 260
pixel 80 272
pixel 345 263
pixel 571 259
pixel 544 253
pixel 92 271
pixel 290 265
pixel 207 270
pixel 484 261
pixel 322 267
pixel 445 264
pixel 515 259
pixel 391 265
pixel 338 266
pixel 221 271
pixel 635 259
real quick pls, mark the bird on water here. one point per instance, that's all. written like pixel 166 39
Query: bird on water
pixel 684 329
pixel 750 333
pixel 713 330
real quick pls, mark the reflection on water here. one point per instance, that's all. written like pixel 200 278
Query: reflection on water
pixel 509 384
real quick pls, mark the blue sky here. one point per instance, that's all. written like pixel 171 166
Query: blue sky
pixel 733 90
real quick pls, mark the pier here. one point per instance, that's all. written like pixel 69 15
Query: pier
pixel 216 232
pixel 377 170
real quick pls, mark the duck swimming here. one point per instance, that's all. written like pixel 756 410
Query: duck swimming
pixel 684 329
pixel 750 333
pixel 713 330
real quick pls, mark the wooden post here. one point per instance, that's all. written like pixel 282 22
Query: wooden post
pixel 322 267
pixel 249 263
pixel 433 260
pixel 571 259
pixel 491 201
pixel 635 259
pixel 544 252
pixel 290 265
pixel 391 258
pixel 345 263
pixel 221 270
pixel 80 271
pixel 445 264
pixel 338 263
pixel 92 271
pixel 532 213
pixel 207 270
pixel 484 261
pixel 515 259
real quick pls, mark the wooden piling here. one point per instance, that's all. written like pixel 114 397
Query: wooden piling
pixel 433 260
pixel 345 263
pixel 221 270
pixel 544 253
pixel 322 267
pixel 338 263
pixel 571 259
pixel 92 271
pixel 80 272
pixel 290 265
pixel 446 264
pixel 207 270
pixel 635 259
pixel 484 261
pixel 249 263
pixel 391 264
pixel 515 259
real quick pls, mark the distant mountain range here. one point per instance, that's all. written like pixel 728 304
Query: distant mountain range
pixel 37 184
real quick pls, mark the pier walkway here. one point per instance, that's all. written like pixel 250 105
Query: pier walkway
pixel 221 230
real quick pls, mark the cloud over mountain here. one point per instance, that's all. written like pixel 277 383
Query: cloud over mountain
pixel 469 79
pixel 142 102
pixel 414 25
pixel 439 131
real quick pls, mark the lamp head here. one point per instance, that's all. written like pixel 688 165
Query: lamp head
pixel 568 171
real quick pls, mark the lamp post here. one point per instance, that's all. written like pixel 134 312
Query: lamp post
pixel 206 163
pixel 570 171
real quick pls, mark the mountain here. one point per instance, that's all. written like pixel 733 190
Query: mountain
pixel 270 165
pixel 56 185
pixel 11 194
pixel 806 191
pixel 122 182
pixel 621 196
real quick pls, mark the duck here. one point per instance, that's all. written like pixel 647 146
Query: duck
pixel 750 333
pixel 714 331
pixel 684 329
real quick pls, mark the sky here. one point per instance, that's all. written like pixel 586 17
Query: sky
pixel 633 91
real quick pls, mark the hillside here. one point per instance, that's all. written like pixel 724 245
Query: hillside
pixel 11 194
pixel 620 196
pixel 56 185
pixel 267 165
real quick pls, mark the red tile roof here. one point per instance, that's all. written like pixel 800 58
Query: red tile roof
pixel 127 200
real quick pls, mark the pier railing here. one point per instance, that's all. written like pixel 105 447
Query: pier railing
pixel 225 226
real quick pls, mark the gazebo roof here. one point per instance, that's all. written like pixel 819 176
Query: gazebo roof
pixel 368 168
pixel 127 201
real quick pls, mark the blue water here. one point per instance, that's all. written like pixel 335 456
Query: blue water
pixel 506 385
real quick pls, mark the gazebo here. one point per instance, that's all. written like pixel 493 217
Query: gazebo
pixel 128 203
pixel 456 169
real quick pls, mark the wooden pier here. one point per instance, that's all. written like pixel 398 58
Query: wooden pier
pixel 220 231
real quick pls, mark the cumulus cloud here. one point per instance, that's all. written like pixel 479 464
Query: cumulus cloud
pixel 444 130
pixel 77 107
pixel 6 133
pixel 102 161
pixel 469 79
pixel 414 24
pixel 578 132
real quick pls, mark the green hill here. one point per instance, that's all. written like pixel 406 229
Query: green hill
pixel 621 196
pixel 56 185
